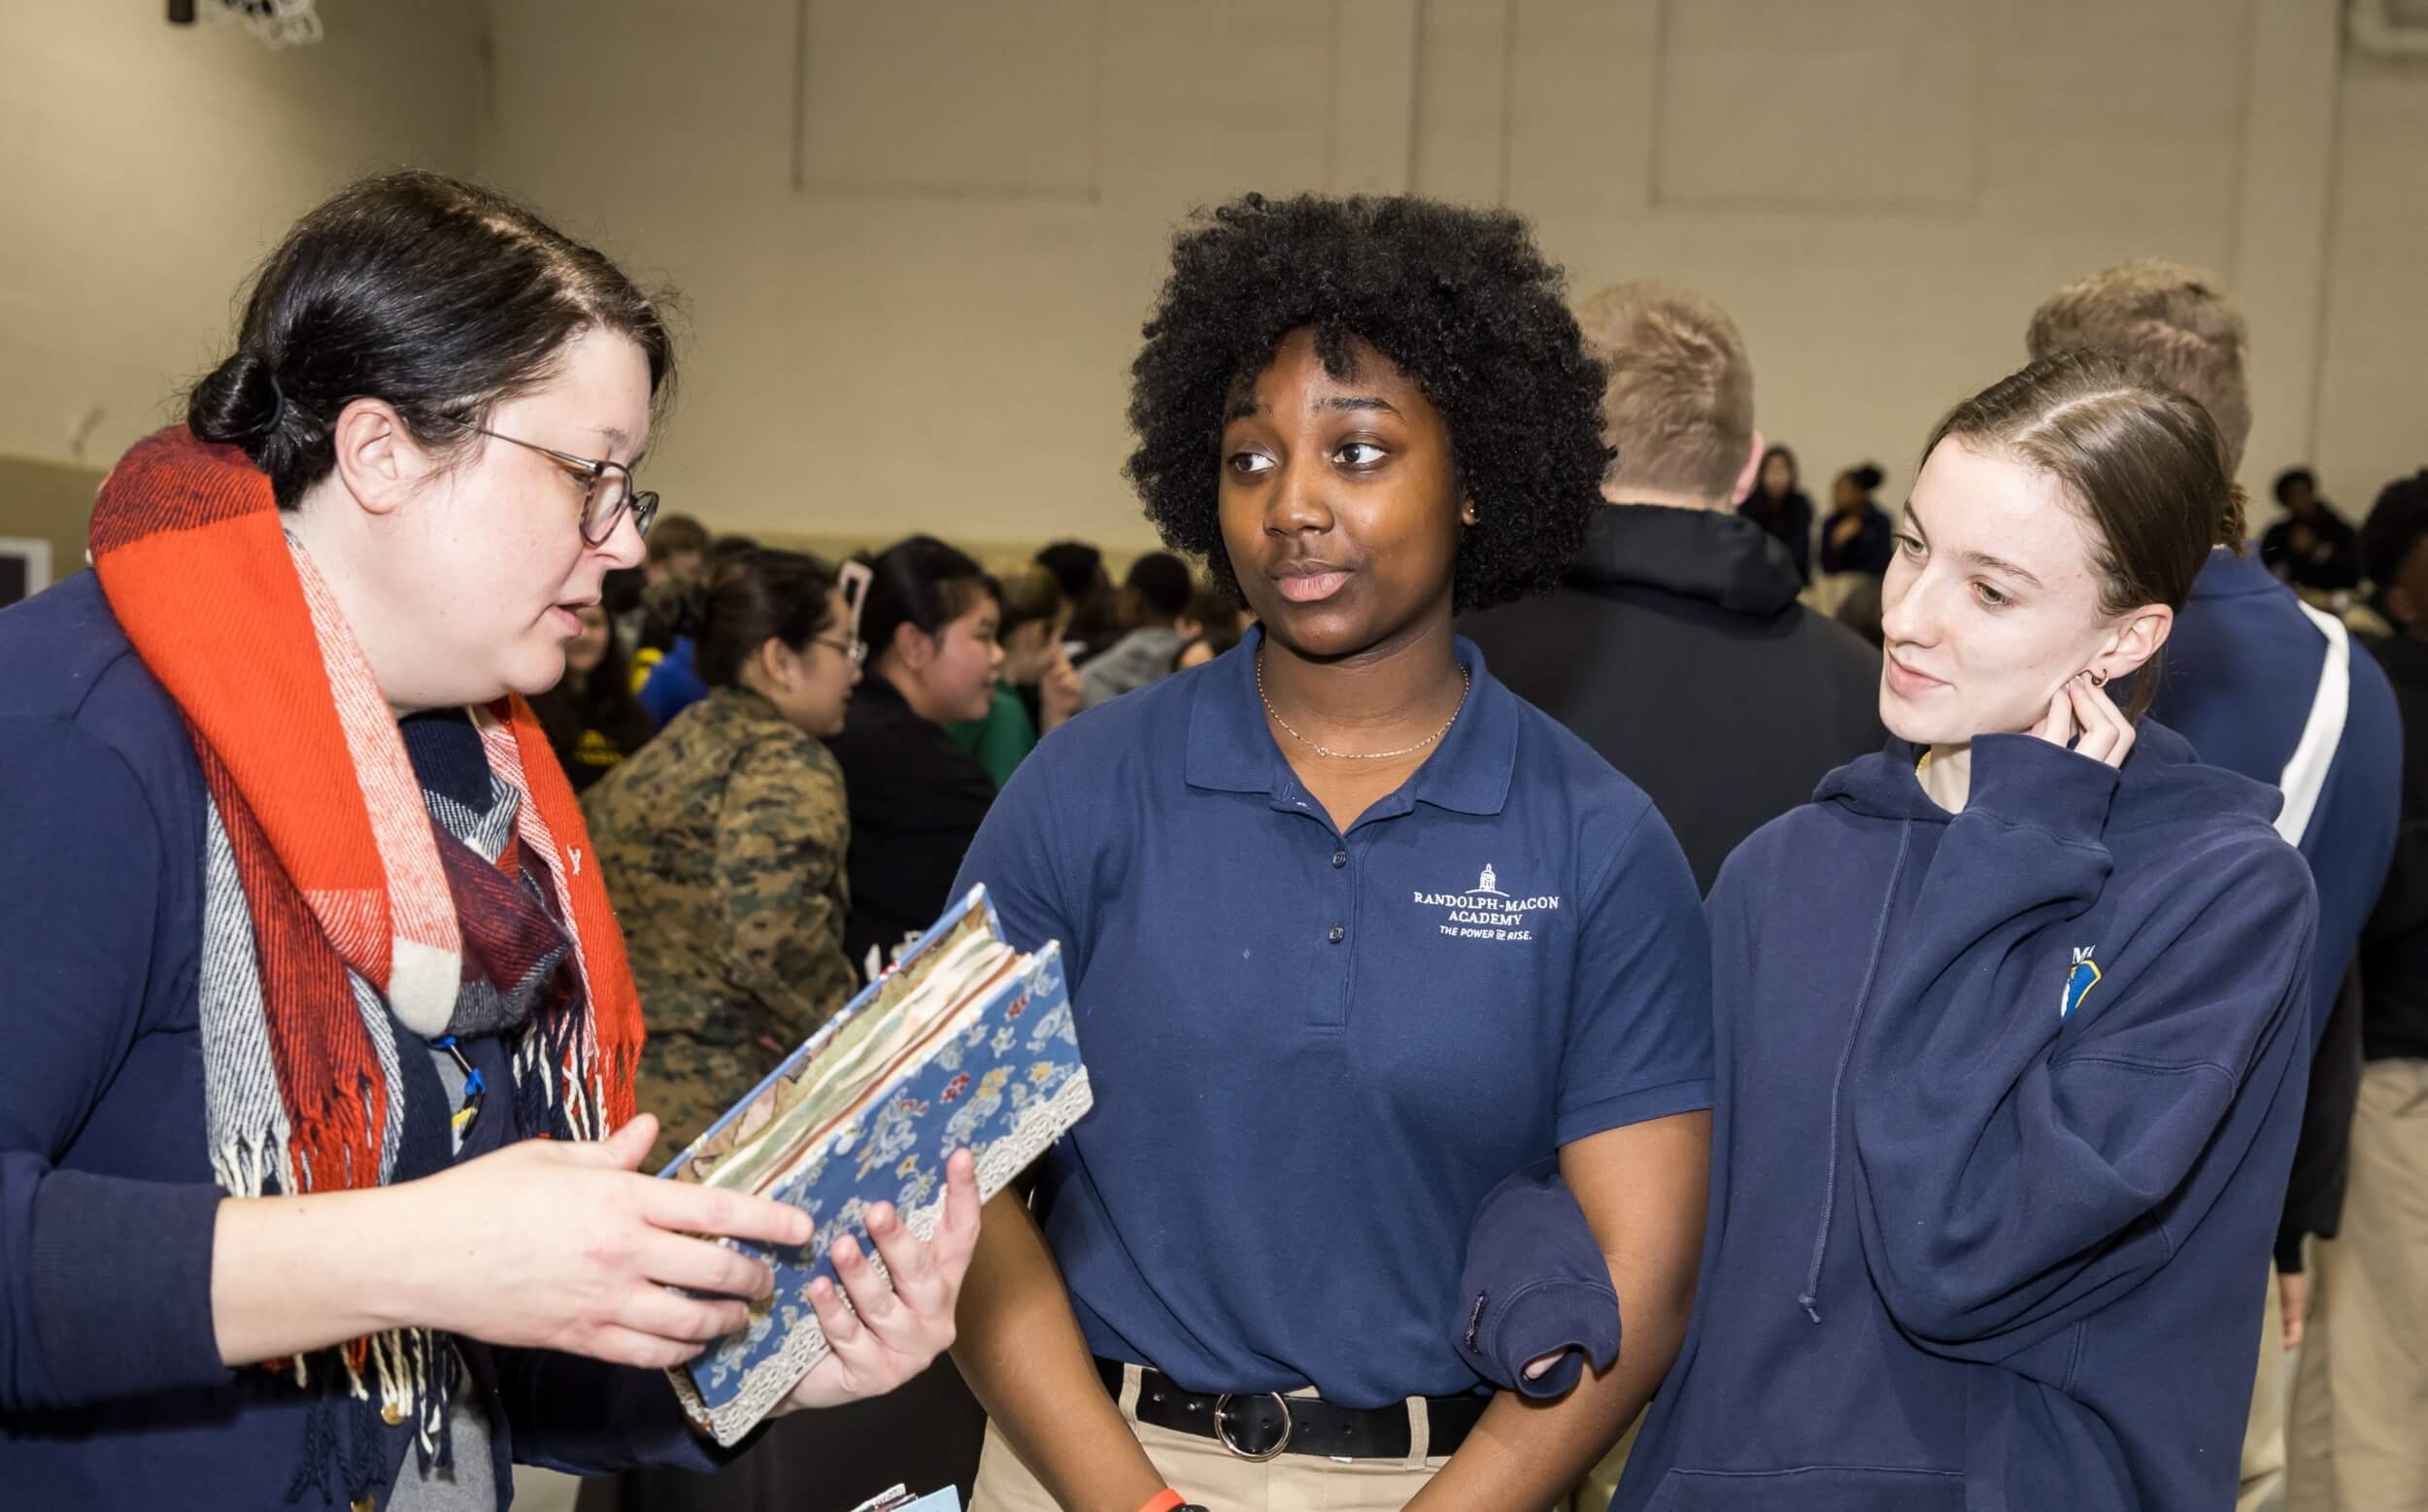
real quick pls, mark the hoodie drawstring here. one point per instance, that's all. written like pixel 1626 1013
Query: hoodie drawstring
pixel 1809 1298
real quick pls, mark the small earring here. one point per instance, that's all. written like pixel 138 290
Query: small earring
pixel 2098 680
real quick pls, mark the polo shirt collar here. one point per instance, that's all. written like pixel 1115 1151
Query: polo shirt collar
pixel 1233 749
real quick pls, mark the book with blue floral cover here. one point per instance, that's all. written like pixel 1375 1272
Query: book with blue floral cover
pixel 966 1044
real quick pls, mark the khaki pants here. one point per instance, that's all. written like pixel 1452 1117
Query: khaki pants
pixel 1212 1476
pixel 2359 1434
pixel 2263 1435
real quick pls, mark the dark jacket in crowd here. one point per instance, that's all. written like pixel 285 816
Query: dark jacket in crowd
pixel 2241 674
pixel 1868 551
pixel 1676 648
pixel 1790 520
pixel 916 797
pixel 2007 1102
pixel 2394 946
pixel 592 729
pixel 916 800
pixel 2328 560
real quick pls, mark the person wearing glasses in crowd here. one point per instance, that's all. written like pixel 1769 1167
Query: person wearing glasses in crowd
pixel 318 1158
pixel 1355 932
pixel 723 843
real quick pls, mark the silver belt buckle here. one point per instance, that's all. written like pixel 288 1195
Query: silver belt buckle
pixel 1222 1432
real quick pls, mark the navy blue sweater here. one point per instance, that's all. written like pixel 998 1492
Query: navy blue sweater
pixel 2007 1099
pixel 111 1392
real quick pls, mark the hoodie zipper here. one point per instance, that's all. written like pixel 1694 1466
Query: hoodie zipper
pixel 1810 1299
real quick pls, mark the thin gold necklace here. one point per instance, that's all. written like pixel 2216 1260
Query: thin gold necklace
pixel 1465 686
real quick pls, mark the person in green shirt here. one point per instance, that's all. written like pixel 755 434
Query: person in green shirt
pixel 1039 689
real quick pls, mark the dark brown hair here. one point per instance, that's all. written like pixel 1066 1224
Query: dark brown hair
pixel 675 533
pixel 2140 461
pixel 923 583
pixel 755 597
pixel 440 297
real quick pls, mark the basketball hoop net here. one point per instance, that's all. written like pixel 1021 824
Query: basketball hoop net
pixel 279 23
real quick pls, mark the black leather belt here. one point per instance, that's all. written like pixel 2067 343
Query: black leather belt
pixel 1262 1425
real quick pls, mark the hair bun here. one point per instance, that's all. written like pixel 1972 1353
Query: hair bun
pixel 239 403
pixel 1867 476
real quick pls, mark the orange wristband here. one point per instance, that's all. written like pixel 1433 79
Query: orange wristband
pixel 1163 1502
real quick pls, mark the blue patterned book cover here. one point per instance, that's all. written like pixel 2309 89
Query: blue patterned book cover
pixel 966 1044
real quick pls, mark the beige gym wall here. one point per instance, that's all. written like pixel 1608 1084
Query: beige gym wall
pixel 146 169
pixel 915 240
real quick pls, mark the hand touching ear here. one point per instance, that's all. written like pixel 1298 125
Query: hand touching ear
pixel 2085 718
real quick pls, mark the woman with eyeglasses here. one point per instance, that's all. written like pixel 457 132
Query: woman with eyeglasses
pixel 317 1159
pixel 723 844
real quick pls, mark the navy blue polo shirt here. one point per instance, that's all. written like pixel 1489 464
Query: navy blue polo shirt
pixel 1314 1055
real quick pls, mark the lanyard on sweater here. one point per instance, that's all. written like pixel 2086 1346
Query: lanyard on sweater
pixel 474 1087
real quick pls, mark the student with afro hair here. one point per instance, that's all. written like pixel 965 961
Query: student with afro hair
pixel 1354 932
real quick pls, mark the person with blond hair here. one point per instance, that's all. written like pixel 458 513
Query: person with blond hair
pixel 2264 685
pixel 1677 597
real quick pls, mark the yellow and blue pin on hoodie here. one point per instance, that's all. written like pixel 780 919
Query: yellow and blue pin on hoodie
pixel 2079 980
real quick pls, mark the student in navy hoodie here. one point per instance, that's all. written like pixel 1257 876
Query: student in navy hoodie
pixel 2250 672
pixel 2010 1024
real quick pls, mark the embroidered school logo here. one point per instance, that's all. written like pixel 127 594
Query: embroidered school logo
pixel 2079 980
pixel 1484 912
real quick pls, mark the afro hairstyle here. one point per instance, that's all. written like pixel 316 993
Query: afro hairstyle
pixel 1458 299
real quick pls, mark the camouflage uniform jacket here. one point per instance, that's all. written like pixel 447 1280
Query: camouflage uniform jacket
pixel 723 842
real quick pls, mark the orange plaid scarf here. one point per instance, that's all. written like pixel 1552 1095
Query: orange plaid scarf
pixel 341 876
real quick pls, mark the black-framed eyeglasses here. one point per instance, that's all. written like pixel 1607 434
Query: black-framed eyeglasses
pixel 608 494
